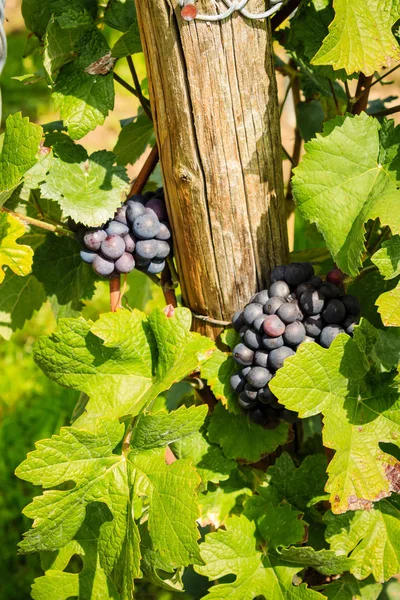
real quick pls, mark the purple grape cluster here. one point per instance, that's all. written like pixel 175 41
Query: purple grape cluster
pixel 298 308
pixel 138 236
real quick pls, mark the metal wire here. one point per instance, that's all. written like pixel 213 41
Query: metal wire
pixel 232 6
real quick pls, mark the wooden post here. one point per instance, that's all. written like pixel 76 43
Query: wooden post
pixel 214 102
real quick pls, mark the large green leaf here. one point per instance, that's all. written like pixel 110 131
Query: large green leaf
pixel 84 98
pixel 356 420
pixel 18 257
pixel 20 152
pixel 233 551
pixel 360 38
pixel 123 361
pixel 92 581
pixel 389 307
pixel 340 184
pixel 19 298
pixel 133 140
pixel 65 276
pixel 241 439
pixel 129 43
pixel 87 459
pixel 347 587
pixel 37 13
pixel 387 259
pixel 370 537
pixel 208 458
pixel 60 40
pixel 89 190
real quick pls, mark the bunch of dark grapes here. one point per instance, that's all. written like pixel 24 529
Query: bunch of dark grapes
pixel 298 308
pixel 138 236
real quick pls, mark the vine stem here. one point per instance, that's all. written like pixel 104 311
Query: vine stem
pixel 37 223
pixel 386 111
pixel 360 99
pixel 143 101
pixel 297 137
pixel 145 172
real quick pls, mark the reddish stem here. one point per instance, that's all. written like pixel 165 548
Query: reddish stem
pixel 145 172
pixel 362 93
pixel 167 287
pixel 115 293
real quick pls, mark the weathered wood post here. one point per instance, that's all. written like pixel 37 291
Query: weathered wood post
pixel 214 100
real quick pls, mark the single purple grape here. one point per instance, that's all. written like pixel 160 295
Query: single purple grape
pixel 157 205
pixel 130 243
pixel 164 233
pixel 93 238
pixel 88 256
pixel 146 226
pixel 163 249
pixel 120 214
pixel 146 248
pixel 273 326
pixel 125 263
pixel 102 266
pixel 113 247
pixel 117 228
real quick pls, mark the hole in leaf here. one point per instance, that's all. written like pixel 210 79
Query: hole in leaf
pixel 75 564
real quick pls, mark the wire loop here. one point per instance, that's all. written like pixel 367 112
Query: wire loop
pixel 232 6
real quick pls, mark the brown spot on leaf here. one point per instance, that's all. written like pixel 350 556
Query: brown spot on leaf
pixel 169 311
pixel 101 66
pixel 360 428
pixel 393 476
pixel 355 503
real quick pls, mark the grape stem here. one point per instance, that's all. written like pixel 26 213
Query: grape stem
pixel 143 101
pixel 36 223
pixel 145 172
pixel 360 101
pixel 115 293
pixel 386 111
pixel 210 320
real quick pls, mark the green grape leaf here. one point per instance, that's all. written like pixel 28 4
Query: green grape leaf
pixel 87 459
pixel 61 38
pixel 347 587
pixel 279 524
pixel 155 568
pixel 382 346
pixel 387 259
pixel 120 14
pixel 129 43
pixel 37 13
pixel 133 140
pixel 16 256
pixel 89 192
pixel 362 188
pixel 241 439
pixel 217 371
pixel 389 307
pixel 217 504
pixel 370 537
pixel 170 490
pixel 91 582
pixel 123 361
pixel 66 276
pixel 308 28
pixel 355 422
pixel 19 298
pixel 208 458
pixel 298 486
pixel 326 562
pixel 81 456
pixel 367 289
pixel 160 429
pixel 84 98
pixel 19 153
pixel 359 25
pixel 233 551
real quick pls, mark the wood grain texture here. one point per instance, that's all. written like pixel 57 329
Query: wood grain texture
pixel 214 100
